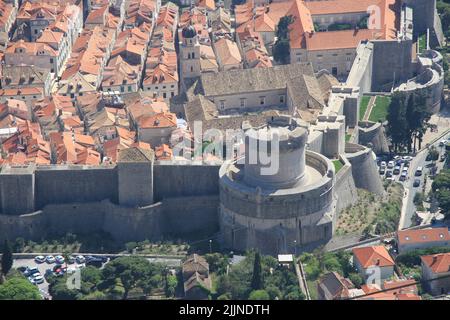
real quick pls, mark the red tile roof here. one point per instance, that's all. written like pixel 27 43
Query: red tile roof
pixel 438 263
pixel 373 256
pixel 423 235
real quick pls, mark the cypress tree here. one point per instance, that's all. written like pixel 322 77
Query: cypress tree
pixel 257 273
pixel 7 258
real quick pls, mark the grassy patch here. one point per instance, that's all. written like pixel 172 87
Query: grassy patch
pixel 312 286
pixel 363 106
pixel 337 165
pixel 380 109
pixel 422 42
pixel 347 137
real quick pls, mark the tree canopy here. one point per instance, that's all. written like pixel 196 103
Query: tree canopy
pixel 408 118
pixel 19 288
pixel 281 48
pixel 7 257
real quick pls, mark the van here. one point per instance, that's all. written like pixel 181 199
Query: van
pixel 419 171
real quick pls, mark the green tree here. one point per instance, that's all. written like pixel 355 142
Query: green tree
pixel 259 295
pixel 417 117
pixel 273 292
pixel 356 279
pixel 59 291
pixel 282 48
pixel 396 117
pixel 441 191
pixel 257 282
pixel 171 285
pixel 7 258
pixel 133 272
pixel 19 288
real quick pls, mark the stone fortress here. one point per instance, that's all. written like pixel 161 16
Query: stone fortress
pixel 275 212
pixel 140 198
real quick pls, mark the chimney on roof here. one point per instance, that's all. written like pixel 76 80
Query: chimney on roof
pixel 434 259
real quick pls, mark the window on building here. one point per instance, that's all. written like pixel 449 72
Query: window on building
pixel 334 71
pixel 262 100
pixel 193 55
pixel 164 87
pixel 281 98
pixel 192 69
pixel 222 104
pixel 122 89
pixel 51 60
pixel 243 103
pixel 172 94
pixel 189 55
pixel 164 95
pixel 130 88
pixel 52 70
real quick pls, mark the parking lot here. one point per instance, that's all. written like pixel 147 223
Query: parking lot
pixel 43 268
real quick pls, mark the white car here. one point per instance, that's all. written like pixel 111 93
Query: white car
pixel 80 259
pixel 407 158
pixel 39 259
pixel 50 259
pixel 59 259
pixel 442 143
pixel 390 164
pixel 38 279
pixel 383 164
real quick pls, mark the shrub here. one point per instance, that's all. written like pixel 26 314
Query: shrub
pixel 259 295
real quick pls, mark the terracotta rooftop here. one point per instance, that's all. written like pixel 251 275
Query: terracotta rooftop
pixel 373 256
pixel 438 263
pixel 423 235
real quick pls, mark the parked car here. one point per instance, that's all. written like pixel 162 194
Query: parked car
pixel 30 271
pixel 22 269
pixel 403 176
pixel 389 175
pixel 59 259
pixel 397 170
pixel 419 171
pixel 38 279
pixel 80 259
pixel 442 143
pixel 39 259
pixel 383 164
pixel 416 183
pixel 442 158
pixel 48 273
pixel 71 260
pixel 390 165
pixel 407 158
pixel 50 259
pixel 382 171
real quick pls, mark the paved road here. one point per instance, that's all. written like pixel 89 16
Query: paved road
pixel 419 160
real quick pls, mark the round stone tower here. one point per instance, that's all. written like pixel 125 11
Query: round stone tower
pixel 288 139
pixel 280 197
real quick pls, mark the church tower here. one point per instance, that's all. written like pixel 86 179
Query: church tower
pixel 190 53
